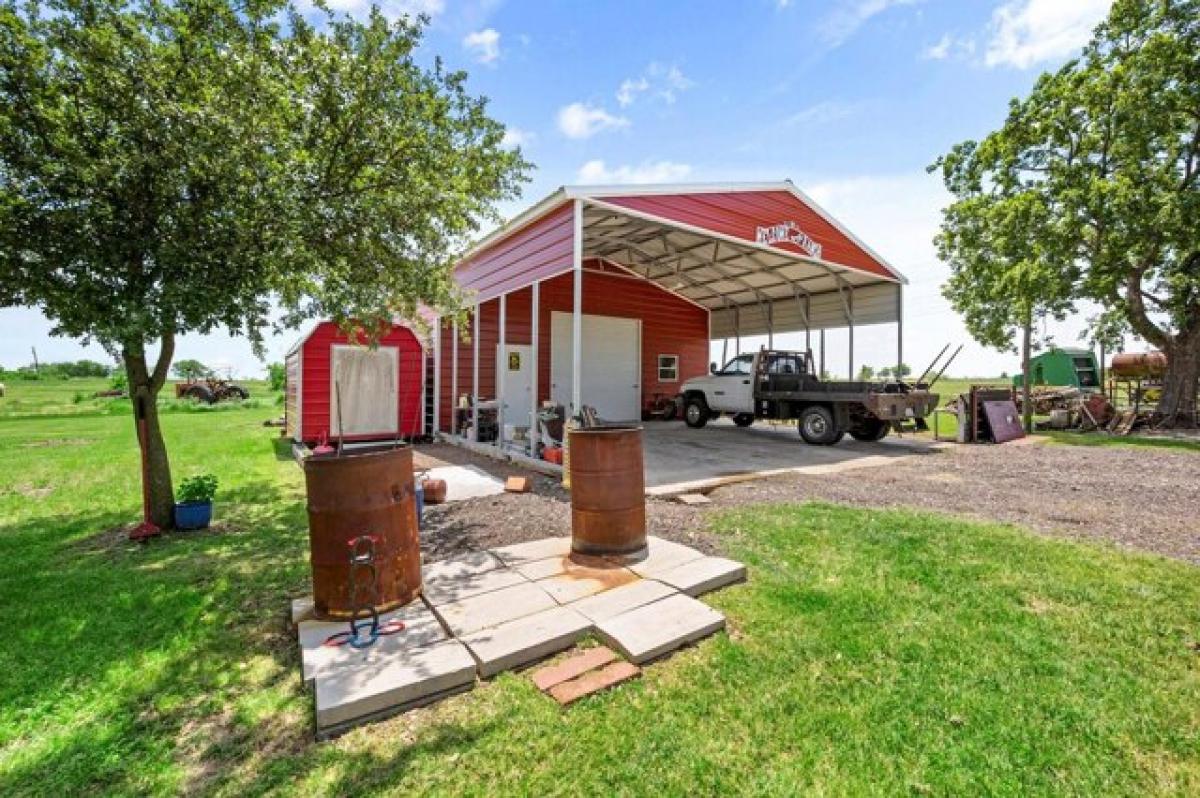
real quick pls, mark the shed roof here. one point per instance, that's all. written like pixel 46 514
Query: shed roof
pixel 758 255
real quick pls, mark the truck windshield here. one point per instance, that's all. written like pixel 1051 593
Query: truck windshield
pixel 739 365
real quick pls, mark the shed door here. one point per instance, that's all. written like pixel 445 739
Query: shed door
pixel 366 380
pixel 612 365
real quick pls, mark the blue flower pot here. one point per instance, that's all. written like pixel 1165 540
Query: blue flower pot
pixel 193 515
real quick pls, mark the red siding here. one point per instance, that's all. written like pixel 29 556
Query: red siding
pixel 535 252
pixel 317 353
pixel 670 326
pixel 740 214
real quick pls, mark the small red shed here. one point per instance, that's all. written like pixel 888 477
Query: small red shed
pixel 381 389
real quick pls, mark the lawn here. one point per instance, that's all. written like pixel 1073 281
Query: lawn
pixel 871 652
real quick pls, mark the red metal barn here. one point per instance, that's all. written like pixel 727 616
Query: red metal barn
pixel 381 390
pixel 608 296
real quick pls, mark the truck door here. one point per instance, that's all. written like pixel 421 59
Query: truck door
pixel 732 390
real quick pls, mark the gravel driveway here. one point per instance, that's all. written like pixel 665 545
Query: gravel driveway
pixel 1147 499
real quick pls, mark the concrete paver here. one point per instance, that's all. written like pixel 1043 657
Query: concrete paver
pixel 611 603
pixel 463 565
pixel 660 555
pixel 349 696
pixel 529 551
pixel 703 575
pixel 492 609
pixel 421 629
pixel 446 591
pixel 525 640
pixel 655 629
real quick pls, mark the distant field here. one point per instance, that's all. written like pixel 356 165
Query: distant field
pixel 77 397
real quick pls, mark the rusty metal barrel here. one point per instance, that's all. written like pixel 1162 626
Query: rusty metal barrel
pixel 608 491
pixel 365 493
pixel 1139 365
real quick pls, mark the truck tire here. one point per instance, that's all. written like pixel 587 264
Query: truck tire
pixel 199 393
pixel 743 419
pixel 818 427
pixel 696 412
pixel 870 430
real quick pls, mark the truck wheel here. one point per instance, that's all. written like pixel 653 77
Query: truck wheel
pixel 817 426
pixel 696 412
pixel 743 419
pixel 870 430
pixel 199 393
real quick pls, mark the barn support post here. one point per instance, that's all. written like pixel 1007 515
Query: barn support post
pixel 534 325
pixel 577 314
pixel 437 376
pixel 899 328
pixel 770 325
pixel 475 378
pixel 737 332
pixel 501 371
pixel 850 319
pixel 821 373
pixel 724 351
pixel 454 377
pixel 807 326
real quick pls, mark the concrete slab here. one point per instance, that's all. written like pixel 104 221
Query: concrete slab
pixel 466 482
pixel 656 629
pixel 703 575
pixel 682 460
pixel 421 629
pixel 660 555
pixel 532 550
pixel 349 696
pixel 612 603
pixel 468 564
pixel 492 609
pixel 447 591
pixel 525 640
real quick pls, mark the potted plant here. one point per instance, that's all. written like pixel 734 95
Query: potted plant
pixel 193 510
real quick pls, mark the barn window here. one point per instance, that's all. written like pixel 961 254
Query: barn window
pixel 668 368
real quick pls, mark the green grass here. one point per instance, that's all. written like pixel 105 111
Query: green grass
pixel 870 653
pixel 76 397
pixel 1131 442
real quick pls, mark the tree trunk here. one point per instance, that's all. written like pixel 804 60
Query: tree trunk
pixel 1027 378
pixel 144 386
pixel 1177 407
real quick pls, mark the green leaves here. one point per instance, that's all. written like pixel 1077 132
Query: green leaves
pixel 169 167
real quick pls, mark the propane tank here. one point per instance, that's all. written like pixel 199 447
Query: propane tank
pixel 1139 365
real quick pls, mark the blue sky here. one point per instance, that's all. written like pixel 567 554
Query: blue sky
pixel 851 99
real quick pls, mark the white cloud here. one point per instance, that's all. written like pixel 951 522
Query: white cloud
pixel 850 15
pixel 939 51
pixel 483 44
pixel 1027 32
pixel 516 137
pixel 597 172
pixel 660 81
pixel 582 121
pixel 822 113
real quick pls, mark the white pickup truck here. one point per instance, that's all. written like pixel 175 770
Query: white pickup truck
pixel 772 384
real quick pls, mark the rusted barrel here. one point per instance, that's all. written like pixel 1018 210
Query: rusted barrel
pixel 1143 365
pixel 608 491
pixel 365 493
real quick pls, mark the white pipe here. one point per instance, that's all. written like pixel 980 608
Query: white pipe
pixel 577 316
pixel 501 372
pixel 437 375
pixel 534 323
pixel 454 377
pixel 475 378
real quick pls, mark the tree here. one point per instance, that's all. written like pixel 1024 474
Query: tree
pixel 866 373
pixel 276 376
pixel 885 373
pixel 1107 152
pixel 902 370
pixel 191 370
pixel 175 166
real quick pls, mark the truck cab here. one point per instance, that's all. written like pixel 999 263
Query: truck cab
pixel 781 385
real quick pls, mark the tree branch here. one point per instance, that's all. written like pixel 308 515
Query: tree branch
pixel 1138 319
pixel 165 355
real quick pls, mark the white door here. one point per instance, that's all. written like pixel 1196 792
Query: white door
pixel 363 383
pixel 514 371
pixel 732 391
pixel 611 365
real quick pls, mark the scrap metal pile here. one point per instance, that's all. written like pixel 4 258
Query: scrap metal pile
pixel 1073 409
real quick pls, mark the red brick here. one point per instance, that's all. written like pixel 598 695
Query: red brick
pixel 517 485
pixel 581 663
pixel 594 681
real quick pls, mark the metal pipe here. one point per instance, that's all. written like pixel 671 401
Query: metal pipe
pixel 930 366
pixel 437 376
pixel 454 378
pixel 534 313
pixel 475 378
pixel 577 316
pixel 943 371
pixel 501 372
